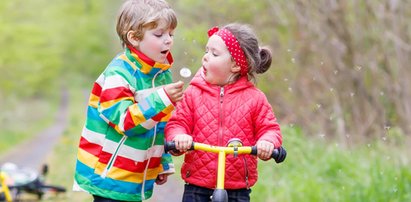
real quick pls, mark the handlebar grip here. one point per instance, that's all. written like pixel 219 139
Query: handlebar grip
pixel 279 154
pixel 171 146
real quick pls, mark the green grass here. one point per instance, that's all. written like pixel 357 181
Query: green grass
pixel 319 171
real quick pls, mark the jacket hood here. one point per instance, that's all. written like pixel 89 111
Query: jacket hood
pixel 199 82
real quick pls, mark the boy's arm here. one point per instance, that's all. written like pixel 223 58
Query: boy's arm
pixel 266 125
pixel 120 110
pixel 168 165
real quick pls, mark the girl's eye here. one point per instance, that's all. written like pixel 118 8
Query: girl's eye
pixel 158 35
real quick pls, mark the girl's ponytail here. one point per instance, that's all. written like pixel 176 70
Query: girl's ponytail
pixel 265 60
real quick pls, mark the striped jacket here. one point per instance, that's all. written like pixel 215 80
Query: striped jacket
pixel 121 147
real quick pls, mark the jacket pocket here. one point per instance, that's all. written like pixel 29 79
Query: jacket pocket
pixel 113 157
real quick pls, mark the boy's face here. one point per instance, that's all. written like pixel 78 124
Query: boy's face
pixel 157 43
pixel 218 65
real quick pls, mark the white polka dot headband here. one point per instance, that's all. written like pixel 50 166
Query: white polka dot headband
pixel 233 46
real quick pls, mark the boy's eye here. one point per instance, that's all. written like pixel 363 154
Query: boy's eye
pixel 158 35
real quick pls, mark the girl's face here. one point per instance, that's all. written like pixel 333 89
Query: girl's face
pixel 156 43
pixel 218 65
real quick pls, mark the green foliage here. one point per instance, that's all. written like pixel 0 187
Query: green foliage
pixel 43 42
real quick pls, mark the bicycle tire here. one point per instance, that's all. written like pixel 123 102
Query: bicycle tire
pixel 53 188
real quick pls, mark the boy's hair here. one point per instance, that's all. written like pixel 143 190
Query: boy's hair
pixel 142 15
pixel 258 59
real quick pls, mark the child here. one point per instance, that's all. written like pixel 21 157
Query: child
pixel 220 104
pixel 121 151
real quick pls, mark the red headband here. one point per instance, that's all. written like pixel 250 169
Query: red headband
pixel 233 47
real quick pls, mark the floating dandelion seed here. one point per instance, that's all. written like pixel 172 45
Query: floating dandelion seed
pixel 321 63
pixel 285 79
pixel 185 53
pixel 318 106
pixel 331 89
pixel 384 138
pixel 368 145
pixel 336 72
pixel 358 68
pixel 352 94
pixel 290 89
pixel 293 60
pixel 185 72
pixel 288 50
pixel 381 93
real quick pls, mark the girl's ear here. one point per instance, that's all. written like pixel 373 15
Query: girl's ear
pixel 131 37
pixel 235 68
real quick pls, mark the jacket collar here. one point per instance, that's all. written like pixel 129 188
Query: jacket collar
pixel 145 64
pixel 201 83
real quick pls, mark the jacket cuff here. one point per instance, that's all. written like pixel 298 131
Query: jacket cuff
pixel 168 96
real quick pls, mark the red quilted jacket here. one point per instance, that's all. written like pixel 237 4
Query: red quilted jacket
pixel 213 115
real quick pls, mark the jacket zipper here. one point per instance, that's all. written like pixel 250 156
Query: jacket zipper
pixel 113 158
pixel 220 138
pixel 246 173
pixel 143 197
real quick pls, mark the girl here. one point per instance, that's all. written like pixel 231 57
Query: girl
pixel 220 104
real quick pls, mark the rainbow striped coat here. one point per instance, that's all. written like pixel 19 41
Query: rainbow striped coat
pixel 121 148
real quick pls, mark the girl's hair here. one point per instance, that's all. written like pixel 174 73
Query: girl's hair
pixel 258 59
pixel 142 15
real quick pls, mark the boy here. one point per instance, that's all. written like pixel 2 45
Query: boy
pixel 121 153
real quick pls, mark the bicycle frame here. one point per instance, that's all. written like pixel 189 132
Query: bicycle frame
pixel 4 188
pixel 234 147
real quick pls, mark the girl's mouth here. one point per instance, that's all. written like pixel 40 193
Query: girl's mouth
pixel 164 52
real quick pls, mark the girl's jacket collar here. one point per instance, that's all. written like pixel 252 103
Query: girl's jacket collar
pixel 146 64
pixel 201 83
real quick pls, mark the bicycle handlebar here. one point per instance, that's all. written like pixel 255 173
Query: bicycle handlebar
pixel 278 154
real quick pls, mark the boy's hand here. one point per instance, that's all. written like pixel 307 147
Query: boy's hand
pixel 175 91
pixel 183 142
pixel 264 149
pixel 161 179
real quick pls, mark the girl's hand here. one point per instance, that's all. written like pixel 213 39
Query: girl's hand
pixel 264 149
pixel 183 142
pixel 161 179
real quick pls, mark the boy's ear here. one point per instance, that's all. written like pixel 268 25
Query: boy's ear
pixel 131 37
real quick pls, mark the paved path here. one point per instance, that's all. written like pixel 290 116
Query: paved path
pixel 33 152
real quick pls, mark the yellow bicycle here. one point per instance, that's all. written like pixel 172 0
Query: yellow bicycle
pixel 4 189
pixel 235 147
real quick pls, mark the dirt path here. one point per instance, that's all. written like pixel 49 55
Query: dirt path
pixel 33 152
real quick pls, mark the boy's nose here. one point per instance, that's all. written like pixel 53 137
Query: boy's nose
pixel 168 39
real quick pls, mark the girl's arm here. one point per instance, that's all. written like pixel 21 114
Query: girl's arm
pixel 181 122
pixel 266 125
